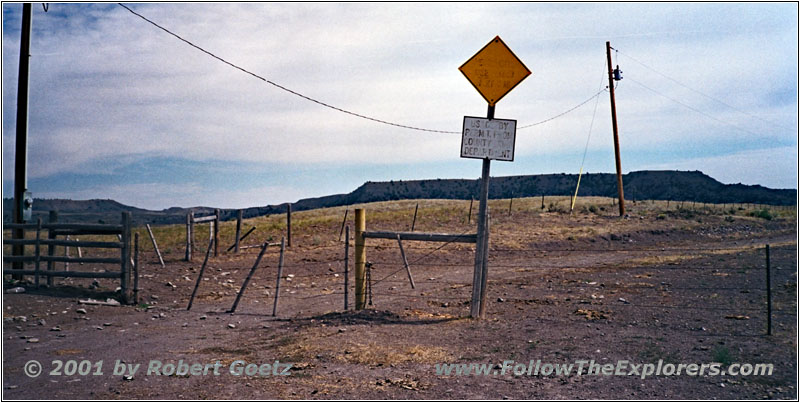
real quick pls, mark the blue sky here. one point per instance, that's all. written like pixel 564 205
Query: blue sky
pixel 119 109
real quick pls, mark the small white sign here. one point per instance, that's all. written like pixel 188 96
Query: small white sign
pixel 488 138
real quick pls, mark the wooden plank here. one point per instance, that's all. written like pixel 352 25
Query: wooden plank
pixel 79 274
pixel 85 244
pixel 199 220
pixel 70 259
pixel 102 228
pixel 421 236
pixel 18 226
pixel 28 241
pixel 14 259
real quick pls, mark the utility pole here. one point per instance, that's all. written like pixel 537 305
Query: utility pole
pixel 611 79
pixel 21 145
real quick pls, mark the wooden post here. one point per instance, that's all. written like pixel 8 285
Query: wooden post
pixel 250 275
pixel 469 215
pixel 238 230
pixel 37 251
pixel 216 232
pixel 485 269
pixel 80 254
pixel 199 276
pixel 344 220
pixel 414 223
pixel 360 258
pixel 66 254
pixel 188 237
pixel 278 282
pixel 192 231
pixel 289 224
pixel 125 255
pixel 51 249
pixel 155 245
pixel 542 201
pixel 346 264
pixel 405 262
pixel 482 240
pixel 480 244
pixel 510 202
pixel 242 238
pixel 136 268
pixel 769 296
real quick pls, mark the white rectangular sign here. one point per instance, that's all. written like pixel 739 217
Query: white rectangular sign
pixel 488 138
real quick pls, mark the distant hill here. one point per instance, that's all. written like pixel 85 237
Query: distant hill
pixel 639 185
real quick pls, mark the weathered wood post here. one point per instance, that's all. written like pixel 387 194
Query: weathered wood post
pixel 66 254
pixel 280 273
pixel 37 250
pixel 405 262
pixel 126 255
pixel 238 230
pixel 344 220
pixel 155 245
pixel 249 276
pixel 346 264
pixel 192 231
pixel 136 268
pixel 414 222
pixel 199 277
pixel 769 296
pixel 289 224
pixel 469 215
pixel 216 232
pixel 188 237
pixel 360 258
pixel 51 249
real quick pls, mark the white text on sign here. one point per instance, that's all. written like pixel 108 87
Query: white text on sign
pixel 488 138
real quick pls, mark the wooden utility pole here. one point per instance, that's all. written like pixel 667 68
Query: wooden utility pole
pixel 21 145
pixel 616 131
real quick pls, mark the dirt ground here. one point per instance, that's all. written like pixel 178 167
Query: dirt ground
pixel 672 286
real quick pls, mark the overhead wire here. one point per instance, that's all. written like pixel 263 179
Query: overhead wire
pixel 700 92
pixel 321 103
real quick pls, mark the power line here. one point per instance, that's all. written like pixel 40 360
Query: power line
pixel 699 92
pixel 308 98
pixel 692 108
pixel 597 94
pixel 278 85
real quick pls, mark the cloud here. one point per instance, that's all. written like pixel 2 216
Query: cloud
pixel 107 85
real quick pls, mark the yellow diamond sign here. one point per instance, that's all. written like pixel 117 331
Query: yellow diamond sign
pixel 494 71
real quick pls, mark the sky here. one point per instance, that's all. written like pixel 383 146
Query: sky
pixel 120 109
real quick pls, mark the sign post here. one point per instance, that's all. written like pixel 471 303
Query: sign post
pixel 494 71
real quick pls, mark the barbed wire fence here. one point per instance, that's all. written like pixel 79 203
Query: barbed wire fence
pixel 693 289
